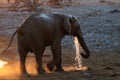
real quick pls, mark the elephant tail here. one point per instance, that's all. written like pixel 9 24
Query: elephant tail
pixel 11 40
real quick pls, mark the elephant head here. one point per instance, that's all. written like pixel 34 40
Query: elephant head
pixel 72 27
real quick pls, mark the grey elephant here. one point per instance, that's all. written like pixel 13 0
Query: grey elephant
pixel 42 30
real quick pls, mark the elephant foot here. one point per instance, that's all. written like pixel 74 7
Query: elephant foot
pixel 23 75
pixel 59 70
pixel 41 71
pixel 50 66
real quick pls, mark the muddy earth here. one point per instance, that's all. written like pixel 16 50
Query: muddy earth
pixel 100 24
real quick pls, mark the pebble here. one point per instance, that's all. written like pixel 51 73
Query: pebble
pixel 87 75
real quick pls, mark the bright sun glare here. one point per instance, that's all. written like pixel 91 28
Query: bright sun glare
pixel 2 63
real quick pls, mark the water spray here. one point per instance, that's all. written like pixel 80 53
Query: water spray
pixel 78 61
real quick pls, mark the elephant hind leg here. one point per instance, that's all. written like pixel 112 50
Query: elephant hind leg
pixel 22 54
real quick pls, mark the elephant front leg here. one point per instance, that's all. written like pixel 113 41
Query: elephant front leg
pixel 57 61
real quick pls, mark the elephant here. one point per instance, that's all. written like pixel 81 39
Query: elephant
pixel 46 29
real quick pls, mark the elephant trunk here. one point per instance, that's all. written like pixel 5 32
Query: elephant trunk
pixel 84 46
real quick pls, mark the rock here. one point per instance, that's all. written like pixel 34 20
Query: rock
pixel 87 75
pixel 115 11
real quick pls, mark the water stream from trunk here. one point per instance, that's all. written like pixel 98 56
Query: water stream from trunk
pixel 78 61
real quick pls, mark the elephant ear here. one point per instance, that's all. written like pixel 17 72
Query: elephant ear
pixel 68 22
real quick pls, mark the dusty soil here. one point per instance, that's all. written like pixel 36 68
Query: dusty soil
pixel 104 44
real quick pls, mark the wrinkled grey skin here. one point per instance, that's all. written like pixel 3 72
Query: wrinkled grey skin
pixel 42 30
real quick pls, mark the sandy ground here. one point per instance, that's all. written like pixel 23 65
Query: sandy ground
pixel 103 41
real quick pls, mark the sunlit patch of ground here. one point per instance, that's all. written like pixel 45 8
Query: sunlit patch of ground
pixel 2 63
